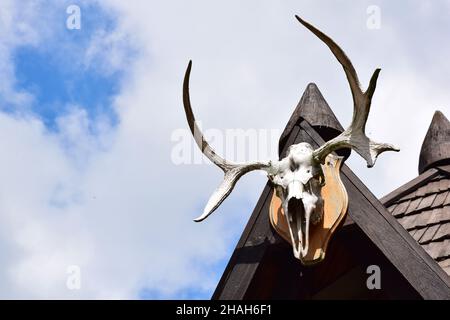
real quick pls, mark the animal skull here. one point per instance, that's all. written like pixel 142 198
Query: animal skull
pixel 298 181
pixel 298 178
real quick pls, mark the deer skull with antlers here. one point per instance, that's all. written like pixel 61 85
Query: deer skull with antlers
pixel 298 177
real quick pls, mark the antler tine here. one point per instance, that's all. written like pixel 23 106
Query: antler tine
pixel 195 130
pixel 354 136
pixel 340 55
pixel 232 171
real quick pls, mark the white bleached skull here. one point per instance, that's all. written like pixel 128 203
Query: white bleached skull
pixel 298 177
pixel 298 181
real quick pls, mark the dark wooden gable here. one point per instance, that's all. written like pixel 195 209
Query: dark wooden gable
pixel 263 267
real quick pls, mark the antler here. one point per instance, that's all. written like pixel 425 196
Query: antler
pixel 354 136
pixel 232 171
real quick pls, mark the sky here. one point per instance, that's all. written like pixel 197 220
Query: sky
pixel 100 179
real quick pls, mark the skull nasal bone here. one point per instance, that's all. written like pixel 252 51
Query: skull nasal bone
pixel 295 190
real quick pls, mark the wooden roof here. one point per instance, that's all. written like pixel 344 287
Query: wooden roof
pixel 422 206
pixel 425 212
pixel 263 266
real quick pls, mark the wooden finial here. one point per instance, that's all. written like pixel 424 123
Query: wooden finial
pixel 436 145
pixel 314 109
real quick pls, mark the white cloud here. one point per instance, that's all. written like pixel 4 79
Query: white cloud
pixel 109 199
pixel 108 52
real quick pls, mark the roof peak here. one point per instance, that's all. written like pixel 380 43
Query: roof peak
pixel 436 145
pixel 314 109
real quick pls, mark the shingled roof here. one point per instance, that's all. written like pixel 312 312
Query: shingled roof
pixel 422 206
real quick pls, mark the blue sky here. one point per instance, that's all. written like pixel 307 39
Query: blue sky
pixel 56 85
pixel 55 74
pixel 88 178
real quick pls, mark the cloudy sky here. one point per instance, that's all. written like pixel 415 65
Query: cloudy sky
pixel 94 202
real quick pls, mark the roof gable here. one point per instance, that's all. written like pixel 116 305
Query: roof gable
pixel 371 218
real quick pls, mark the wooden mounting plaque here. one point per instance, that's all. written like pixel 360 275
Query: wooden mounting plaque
pixel 335 209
